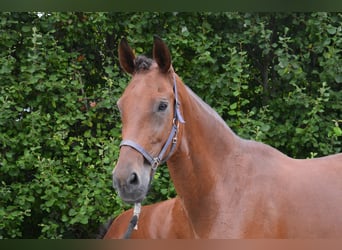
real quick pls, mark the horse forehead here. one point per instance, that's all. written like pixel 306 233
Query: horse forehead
pixel 150 84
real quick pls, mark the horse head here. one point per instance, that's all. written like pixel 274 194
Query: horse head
pixel 150 117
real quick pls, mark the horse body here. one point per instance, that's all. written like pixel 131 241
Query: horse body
pixel 249 189
pixel 227 187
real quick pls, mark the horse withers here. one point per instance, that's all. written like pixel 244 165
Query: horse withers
pixel 227 187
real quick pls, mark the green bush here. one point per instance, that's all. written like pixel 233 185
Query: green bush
pixel 274 78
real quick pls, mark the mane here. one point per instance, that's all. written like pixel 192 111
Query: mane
pixel 209 109
pixel 142 63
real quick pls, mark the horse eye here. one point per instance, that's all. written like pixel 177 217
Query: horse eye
pixel 162 106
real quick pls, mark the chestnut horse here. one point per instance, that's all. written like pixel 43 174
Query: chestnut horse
pixel 227 187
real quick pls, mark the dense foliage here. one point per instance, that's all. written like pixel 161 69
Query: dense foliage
pixel 273 77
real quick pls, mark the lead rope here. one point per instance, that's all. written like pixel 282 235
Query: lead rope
pixel 133 224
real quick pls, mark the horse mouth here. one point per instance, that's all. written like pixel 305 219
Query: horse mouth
pixel 132 201
pixel 132 197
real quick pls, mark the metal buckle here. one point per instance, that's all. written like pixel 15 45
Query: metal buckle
pixel 155 164
pixel 175 123
pixel 174 139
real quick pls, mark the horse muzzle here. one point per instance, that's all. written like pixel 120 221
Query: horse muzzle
pixel 131 176
pixel 130 188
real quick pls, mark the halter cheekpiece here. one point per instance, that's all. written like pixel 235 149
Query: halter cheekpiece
pixel 155 161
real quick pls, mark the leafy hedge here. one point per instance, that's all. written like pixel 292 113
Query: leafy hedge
pixel 274 78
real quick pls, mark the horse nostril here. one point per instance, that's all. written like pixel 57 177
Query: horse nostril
pixel 133 179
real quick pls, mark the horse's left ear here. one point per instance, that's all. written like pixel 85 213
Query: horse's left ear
pixel 161 54
pixel 126 56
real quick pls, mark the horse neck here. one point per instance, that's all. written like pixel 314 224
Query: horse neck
pixel 207 128
pixel 205 142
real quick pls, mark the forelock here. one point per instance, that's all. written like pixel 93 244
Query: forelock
pixel 142 63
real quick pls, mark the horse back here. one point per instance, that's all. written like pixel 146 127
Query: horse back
pixel 282 197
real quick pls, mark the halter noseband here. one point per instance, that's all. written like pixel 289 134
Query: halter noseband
pixel 172 139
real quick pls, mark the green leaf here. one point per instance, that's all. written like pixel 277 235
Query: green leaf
pixel 84 220
pixel 26 29
pixel 72 212
pixel 331 30
pixel 50 202
pixel 337 131
pixel 233 106
pixel 65 218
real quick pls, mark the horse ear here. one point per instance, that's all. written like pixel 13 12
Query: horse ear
pixel 161 54
pixel 126 56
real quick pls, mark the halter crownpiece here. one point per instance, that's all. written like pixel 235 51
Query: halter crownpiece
pixel 172 139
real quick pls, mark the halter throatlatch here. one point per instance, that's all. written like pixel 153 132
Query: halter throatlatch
pixel 172 139
pixel 157 160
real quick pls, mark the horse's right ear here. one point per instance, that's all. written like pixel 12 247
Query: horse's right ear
pixel 126 56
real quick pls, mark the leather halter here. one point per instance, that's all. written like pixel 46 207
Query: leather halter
pixel 155 161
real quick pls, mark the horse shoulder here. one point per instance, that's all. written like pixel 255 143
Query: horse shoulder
pixel 119 225
pixel 166 220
